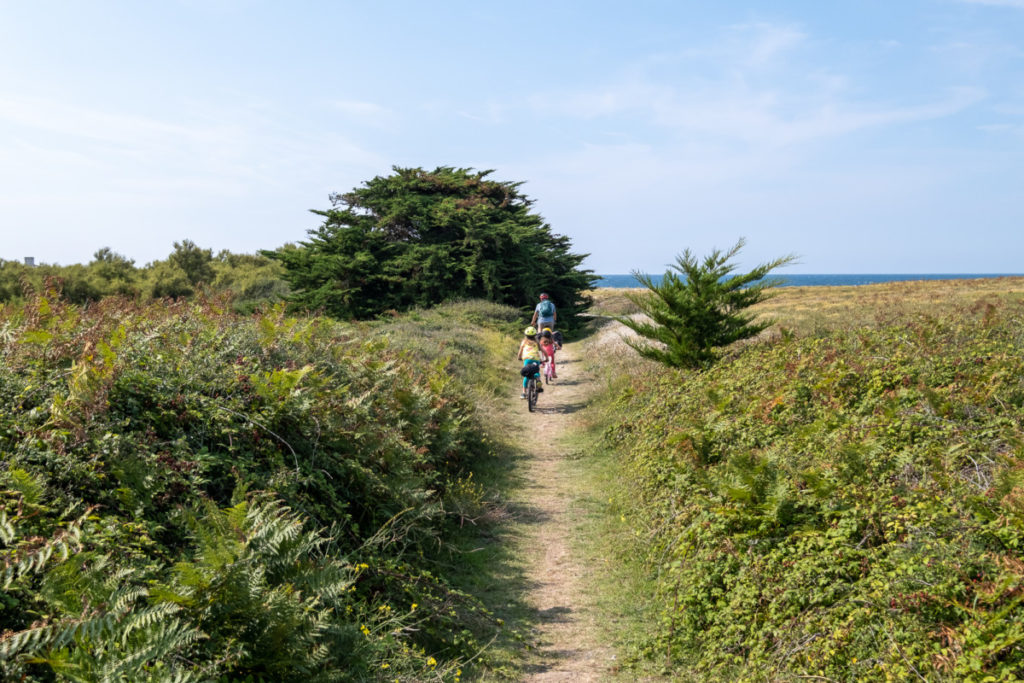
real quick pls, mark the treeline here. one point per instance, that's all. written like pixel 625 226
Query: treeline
pixel 252 279
pixel 413 239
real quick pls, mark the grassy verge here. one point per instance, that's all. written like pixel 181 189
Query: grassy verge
pixel 482 557
pixel 620 589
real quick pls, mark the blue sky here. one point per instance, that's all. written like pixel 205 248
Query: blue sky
pixel 870 136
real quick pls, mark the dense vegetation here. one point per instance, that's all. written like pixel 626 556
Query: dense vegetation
pixel 419 238
pixel 838 505
pixel 190 494
pixel 251 280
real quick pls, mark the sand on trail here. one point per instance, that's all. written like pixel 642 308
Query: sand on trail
pixel 566 644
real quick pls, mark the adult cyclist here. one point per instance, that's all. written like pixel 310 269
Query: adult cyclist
pixel 544 314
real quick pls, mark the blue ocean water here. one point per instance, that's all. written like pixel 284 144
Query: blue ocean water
pixel 823 280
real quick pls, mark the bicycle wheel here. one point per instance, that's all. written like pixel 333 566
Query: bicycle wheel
pixel 531 394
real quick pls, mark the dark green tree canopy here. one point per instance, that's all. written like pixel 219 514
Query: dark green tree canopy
pixel 418 238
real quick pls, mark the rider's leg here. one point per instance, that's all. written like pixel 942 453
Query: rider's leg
pixel 525 379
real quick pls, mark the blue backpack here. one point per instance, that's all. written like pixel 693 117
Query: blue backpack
pixel 547 309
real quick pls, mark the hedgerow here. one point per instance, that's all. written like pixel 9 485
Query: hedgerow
pixel 190 494
pixel 847 506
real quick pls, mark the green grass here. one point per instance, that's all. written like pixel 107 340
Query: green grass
pixel 483 555
pixel 618 592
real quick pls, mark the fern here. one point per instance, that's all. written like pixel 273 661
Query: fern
pixel 116 645
pixel 27 557
pixel 30 487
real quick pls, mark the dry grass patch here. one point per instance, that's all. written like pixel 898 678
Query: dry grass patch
pixel 810 309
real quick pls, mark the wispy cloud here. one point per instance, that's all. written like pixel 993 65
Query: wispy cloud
pixel 488 112
pixel 63 118
pixel 1015 129
pixel 211 153
pixel 369 113
pixel 778 119
pixel 763 43
pixel 1019 4
pixel 735 110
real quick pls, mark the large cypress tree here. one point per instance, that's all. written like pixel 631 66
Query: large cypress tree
pixel 417 238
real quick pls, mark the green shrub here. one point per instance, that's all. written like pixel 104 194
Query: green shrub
pixel 231 497
pixel 846 507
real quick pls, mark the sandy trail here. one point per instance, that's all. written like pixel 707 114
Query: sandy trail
pixel 567 647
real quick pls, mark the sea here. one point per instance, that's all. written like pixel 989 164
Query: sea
pixel 619 281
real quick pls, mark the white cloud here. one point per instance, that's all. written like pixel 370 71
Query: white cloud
pixel 138 154
pixel 1004 128
pixel 228 177
pixel 755 45
pixel 762 43
pixel 739 90
pixel 735 111
pixel 997 3
pixel 491 112
pixel 366 112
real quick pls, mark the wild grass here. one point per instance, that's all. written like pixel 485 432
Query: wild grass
pixel 484 560
pixel 809 309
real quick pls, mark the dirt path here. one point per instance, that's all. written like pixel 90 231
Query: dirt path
pixel 567 647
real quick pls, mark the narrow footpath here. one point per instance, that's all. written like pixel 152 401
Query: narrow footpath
pixel 566 644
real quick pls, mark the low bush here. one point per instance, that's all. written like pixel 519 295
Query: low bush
pixel 190 494
pixel 847 506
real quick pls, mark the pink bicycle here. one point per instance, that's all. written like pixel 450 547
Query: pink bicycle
pixel 548 371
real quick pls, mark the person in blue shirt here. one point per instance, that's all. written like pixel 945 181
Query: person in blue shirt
pixel 544 315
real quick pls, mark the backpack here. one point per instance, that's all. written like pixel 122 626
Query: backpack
pixel 530 369
pixel 547 309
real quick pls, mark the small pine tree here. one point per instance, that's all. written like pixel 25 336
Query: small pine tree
pixel 697 308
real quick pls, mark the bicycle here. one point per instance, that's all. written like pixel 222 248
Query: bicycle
pixel 549 371
pixel 532 372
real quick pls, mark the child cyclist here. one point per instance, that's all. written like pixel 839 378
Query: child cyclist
pixel 530 352
pixel 548 346
pixel 557 337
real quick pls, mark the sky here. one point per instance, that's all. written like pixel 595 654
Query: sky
pixel 878 136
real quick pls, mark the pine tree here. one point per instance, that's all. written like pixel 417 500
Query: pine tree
pixel 698 307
